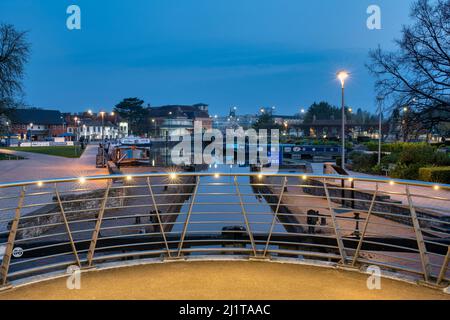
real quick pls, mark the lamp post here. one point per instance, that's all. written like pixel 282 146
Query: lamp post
pixel 380 133
pixel 31 133
pixel 8 133
pixel 342 76
pixel 405 124
pixel 76 128
pixel 102 113
pixel 154 129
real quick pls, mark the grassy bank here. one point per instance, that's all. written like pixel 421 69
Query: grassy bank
pixel 64 151
pixel 4 156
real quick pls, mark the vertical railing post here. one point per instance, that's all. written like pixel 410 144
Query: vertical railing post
pixel 66 224
pixel 275 216
pixel 11 240
pixel 98 225
pixel 244 213
pixel 444 267
pixel 340 243
pixel 155 206
pixel 369 213
pixel 188 217
pixel 419 237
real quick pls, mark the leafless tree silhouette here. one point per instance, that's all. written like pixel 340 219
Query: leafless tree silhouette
pixel 417 75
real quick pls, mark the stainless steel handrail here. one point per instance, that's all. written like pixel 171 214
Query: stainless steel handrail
pixel 47 225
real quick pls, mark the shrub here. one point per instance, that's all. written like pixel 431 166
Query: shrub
pixel 421 153
pixel 435 174
pixel 404 171
pixel 363 162
pixel 441 159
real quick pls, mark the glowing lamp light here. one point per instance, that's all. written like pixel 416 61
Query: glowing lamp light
pixel 342 76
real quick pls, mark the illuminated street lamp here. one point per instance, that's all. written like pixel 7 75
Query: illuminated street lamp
pixel 76 127
pixel 342 76
pixel 154 123
pixel 405 124
pixel 31 133
pixel 102 113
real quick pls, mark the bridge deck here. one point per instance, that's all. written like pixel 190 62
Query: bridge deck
pixel 222 280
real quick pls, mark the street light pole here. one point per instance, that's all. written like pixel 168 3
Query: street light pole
pixel 8 132
pixel 102 113
pixel 380 133
pixel 31 134
pixel 405 124
pixel 342 75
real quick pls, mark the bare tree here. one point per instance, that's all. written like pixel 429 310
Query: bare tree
pixel 417 75
pixel 14 52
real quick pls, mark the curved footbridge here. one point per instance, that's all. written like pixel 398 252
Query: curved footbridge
pixel 222 280
pixel 224 236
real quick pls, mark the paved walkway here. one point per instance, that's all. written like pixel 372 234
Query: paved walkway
pixel 223 281
pixel 41 166
pixel 425 197
pixel 421 195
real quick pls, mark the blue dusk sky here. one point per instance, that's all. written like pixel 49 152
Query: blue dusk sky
pixel 244 53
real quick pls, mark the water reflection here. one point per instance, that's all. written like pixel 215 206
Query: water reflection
pixel 218 204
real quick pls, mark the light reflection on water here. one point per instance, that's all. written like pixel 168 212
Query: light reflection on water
pixel 223 205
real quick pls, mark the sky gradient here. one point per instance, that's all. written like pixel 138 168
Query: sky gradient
pixel 245 53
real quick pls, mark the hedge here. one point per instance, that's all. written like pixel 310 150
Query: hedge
pixel 435 174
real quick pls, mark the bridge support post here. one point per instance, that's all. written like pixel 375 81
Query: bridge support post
pixel 444 267
pixel 66 224
pixel 275 216
pixel 369 213
pixel 161 227
pixel 419 237
pixel 188 217
pixel 339 241
pixel 98 224
pixel 11 240
pixel 244 213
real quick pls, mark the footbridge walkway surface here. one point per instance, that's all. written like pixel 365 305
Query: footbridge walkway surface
pixel 223 280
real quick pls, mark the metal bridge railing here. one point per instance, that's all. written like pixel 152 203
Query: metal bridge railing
pixel 400 226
